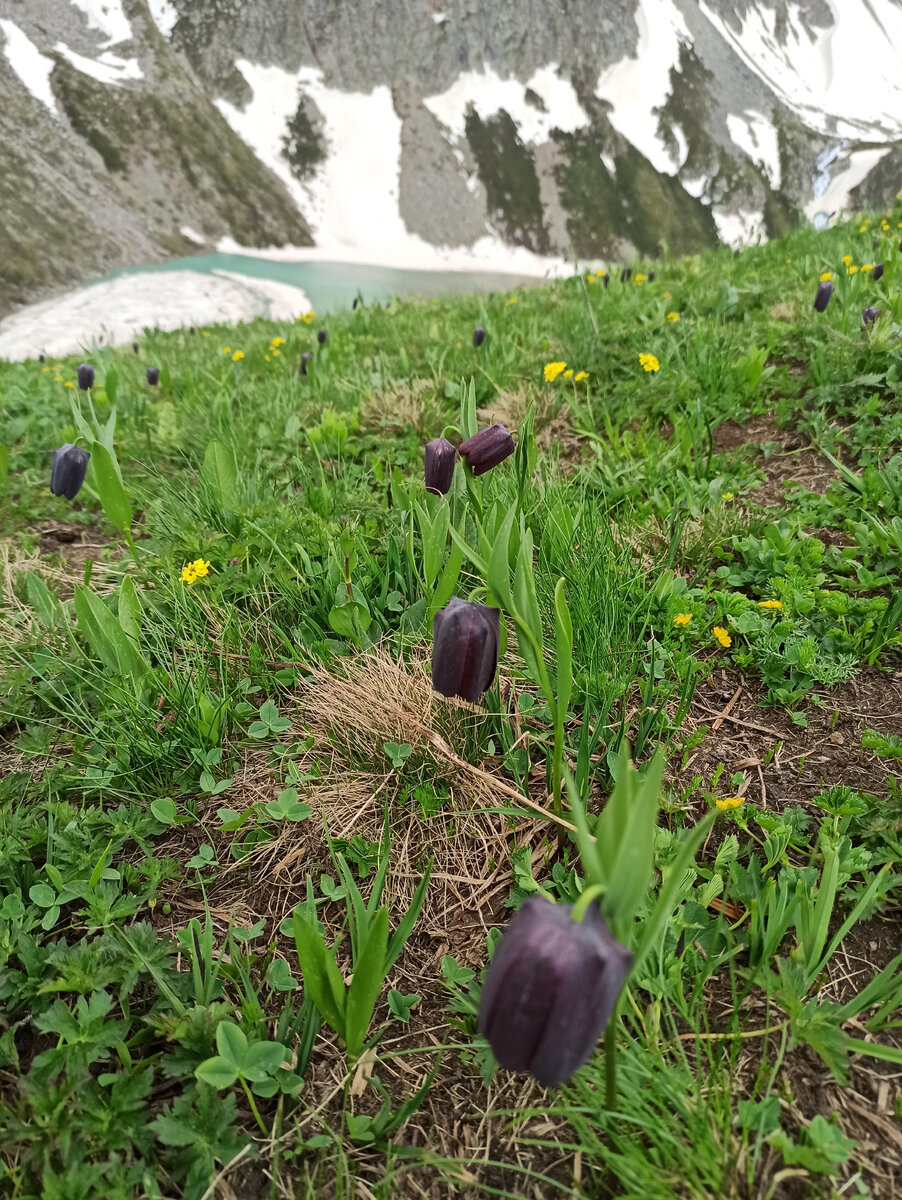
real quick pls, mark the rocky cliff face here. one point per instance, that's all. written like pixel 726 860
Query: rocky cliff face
pixel 134 130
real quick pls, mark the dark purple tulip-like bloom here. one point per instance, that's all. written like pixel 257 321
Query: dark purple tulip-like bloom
pixel 192 331
pixel 41 358
pixel 606 279
pixel 478 335
pixel 136 349
pixel 356 302
pixel 85 376
pixel 487 449
pixel 153 376
pixel 651 276
pixel 870 315
pixel 824 292
pixel 550 990
pixel 465 640
pixel 440 459
pixel 321 337
pixel 625 274
pixel 878 271
pixel 70 465
pixel 306 357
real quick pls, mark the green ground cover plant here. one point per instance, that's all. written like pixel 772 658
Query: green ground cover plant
pixel 254 866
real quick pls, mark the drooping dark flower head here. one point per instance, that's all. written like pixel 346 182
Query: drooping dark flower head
pixel 41 358
pixel 153 376
pixel 478 335
pixel 550 990
pixel 70 465
pixel 356 302
pixel 487 449
pixel 191 330
pixel 85 376
pixel 625 274
pixel 321 337
pixel 136 349
pixel 440 459
pixel 878 271
pixel 824 292
pixel 465 641
pixel 870 315
pixel 606 279
pixel 651 276
pixel 306 358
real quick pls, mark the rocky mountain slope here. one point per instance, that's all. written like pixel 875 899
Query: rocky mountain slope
pixel 134 130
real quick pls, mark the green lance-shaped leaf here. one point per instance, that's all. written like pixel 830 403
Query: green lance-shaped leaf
pixel 110 488
pixel 107 638
pixel 220 473
pixel 563 634
pixel 321 976
pixel 130 609
pixel 369 974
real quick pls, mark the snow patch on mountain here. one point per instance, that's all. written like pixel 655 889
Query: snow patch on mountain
pixel 635 86
pixel 845 79
pixel 489 94
pixel 32 67
pixel 834 188
pixel 106 67
pixel 164 15
pixel 757 136
pixel 107 16
pixel 742 228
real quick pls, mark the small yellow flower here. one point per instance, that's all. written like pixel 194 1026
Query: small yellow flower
pixel 553 369
pixel 205 333
pixel 729 802
pixel 513 300
pixel 580 376
pixel 640 279
pixel 864 228
pixel 227 349
pixel 568 374
pixel 789 260
pixel 667 295
pixel 277 353
pixel 847 258
pixel 266 358
pixel 673 317
pixel 826 277
pixel 728 497
pixel 277 341
pixel 458 344
pixel 237 356
pixel 188 575
pixel 648 362
pixel 884 225
pixel 867 267
pixel 682 619
pixel 853 270
pixel 770 604
pixel 57 379
pixel 307 317
pixel 200 568
pixel 722 636
pixel 590 277
pixel 46 370
pixel 69 383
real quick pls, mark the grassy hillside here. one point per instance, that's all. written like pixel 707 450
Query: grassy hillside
pixel 220 732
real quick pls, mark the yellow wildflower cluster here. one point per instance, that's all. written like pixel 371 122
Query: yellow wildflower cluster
pixel 847 259
pixel 227 349
pixel 513 300
pixel 728 497
pixel 729 802
pixel 775 604
pixel 673 316
pixel 648 362
pixel 853 270
pixel 722 636
pixel 553 369
pixel 682 619
pixel 867 267
pixel 194 571
pixel 307 317
pixel 826 277
pixel 237 356
pixel 640 279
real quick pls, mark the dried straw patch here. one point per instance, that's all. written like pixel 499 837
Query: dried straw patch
pixel 408 404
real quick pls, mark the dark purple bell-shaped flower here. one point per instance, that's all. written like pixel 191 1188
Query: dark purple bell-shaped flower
pixel 356 302
pixel 824 292
pixel 870 315
pixel 321 337
pixel 625 274
pixel 465 640
pixel 41 358
pixel 70 465
pixel 550 990
pixel 306 357
pixel 153 376
pixel 878 271
pixel 478 335
pixel 85 376
pixel 136 349
pixel 487 449
pixel 440 459
pixel 651 276
pixel 191 330
pixel 606 279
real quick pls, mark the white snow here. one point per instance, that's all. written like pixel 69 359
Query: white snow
pixel 845 79
pixel 164 14
pixel 192 235
pixel 757 136
pixel 108 17
pixel 440 18
pixel 833 195
pixel 635 86
pixel 740 228
pixel 32 67
pixel 683 151
pixel 107 67
pixel 114 311
pixel 488 94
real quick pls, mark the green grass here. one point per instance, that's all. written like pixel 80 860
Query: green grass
pixel 186 763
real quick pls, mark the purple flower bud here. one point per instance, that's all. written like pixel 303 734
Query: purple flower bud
pixel 878 271
pixel 321 337
pixel 153 376
pixel 85 376
pixel 478 335
pixel 550 990
pixel 440 459
pixel 465 640
pixel 356 302
pixel 870 315
pixel 824 292
pixel 306 357
pixel 70 464
pixel 651 276
pixel 192 330
pixel 606 279
pixel 487 449
pixel 625 274
pixel 40 358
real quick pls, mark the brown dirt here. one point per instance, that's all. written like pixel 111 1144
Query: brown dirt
pixel 786 458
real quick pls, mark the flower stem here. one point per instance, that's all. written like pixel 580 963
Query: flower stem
pixel 610 1062
pixel 254 1109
